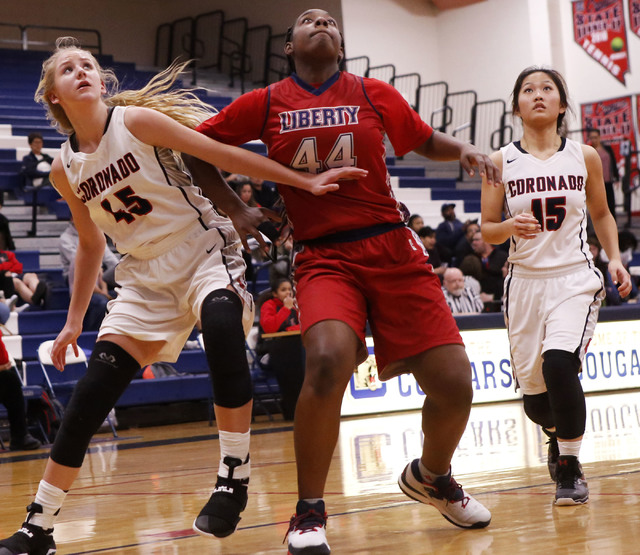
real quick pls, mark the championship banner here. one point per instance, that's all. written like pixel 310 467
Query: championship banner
pixel 614 119
pixel 599 28
pixel 634 16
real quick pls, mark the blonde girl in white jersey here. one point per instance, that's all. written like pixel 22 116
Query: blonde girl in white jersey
pixel 553 291
pixel 165 288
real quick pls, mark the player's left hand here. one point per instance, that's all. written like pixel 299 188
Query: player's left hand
pixel 471 157
pixel 620 277
pixel 325 182
pixel 247 219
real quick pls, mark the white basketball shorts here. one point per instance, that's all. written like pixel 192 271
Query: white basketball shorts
pixel 160 299
pixel 546 311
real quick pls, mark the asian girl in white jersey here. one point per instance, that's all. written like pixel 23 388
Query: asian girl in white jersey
pixel 120 175
pixel 553 290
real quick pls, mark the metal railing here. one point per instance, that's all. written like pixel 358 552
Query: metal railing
pixel 43 37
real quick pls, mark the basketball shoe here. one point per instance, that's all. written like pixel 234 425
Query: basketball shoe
pixel 220 516
pixel 446 495
pixel 307 534
pixel 30 539
pixel 571 487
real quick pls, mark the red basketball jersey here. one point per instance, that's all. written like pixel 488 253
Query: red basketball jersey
pixel 342 122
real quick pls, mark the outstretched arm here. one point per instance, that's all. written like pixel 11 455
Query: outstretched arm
pixel 157 129
pixel 444 148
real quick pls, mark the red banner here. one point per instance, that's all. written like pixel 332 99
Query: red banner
pixel 599 28
pixel 614 119
pixel 634 16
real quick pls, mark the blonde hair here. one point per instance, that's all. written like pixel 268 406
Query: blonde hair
pixel 159 93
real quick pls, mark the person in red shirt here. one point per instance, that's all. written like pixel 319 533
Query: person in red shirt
pixel 356 260
pixel 279 313
pixel 28 286
pixel 286 355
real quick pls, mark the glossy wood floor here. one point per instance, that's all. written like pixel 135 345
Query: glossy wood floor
pixel 140 493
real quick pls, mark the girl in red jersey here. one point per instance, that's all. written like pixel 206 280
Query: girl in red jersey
pixel 351 245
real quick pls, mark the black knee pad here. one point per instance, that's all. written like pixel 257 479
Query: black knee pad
pixel 224 343
pixel 566 398
pixel 537 408
pixel 110 371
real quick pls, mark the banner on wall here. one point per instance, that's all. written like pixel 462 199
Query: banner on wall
pixel 611 363
pixel 614 119
pixel 634 16
pixel 599 28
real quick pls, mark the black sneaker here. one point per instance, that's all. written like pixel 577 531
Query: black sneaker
pixel 29 540
pixel 307 534
pixel 220 516
pixel 27 443
pixel 571 487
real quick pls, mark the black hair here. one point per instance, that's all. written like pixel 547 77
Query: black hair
pixel 426 231
pixel 33 136
pixel 558 80
pixel 275 285
pixel 292 64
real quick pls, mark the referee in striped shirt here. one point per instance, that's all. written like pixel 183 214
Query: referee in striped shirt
pixel 461 299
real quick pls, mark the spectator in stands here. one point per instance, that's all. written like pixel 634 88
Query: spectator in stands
pixel 264 193
pixel 359 263
pixel 12 398
pixel 182 265
pixel 460 297
pixel 612 297
pixel 245 192
pixel 463 246
pixel 68 245
pixel 449 231
pixel 286 355
pixel 36 165
pixel 471 268
pixel 428 237
pixel 610 172
pixel 492 260
pixel 627 243
pixel 13 281
pixel 416 222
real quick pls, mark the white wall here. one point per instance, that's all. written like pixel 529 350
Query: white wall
pixel 399 32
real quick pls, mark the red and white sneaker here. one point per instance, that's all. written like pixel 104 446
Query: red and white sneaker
pixel 446 495
pixel 307 534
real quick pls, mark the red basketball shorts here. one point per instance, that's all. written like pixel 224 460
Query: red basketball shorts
pixel 385 279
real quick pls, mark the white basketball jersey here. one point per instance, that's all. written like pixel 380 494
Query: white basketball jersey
pixel 553 190
pixel 139 195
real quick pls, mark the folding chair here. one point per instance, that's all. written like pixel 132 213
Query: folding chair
pixel 29 392
pixel 66 381
pixel 265 385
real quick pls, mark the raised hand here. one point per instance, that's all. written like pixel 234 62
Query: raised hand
pixel 471 157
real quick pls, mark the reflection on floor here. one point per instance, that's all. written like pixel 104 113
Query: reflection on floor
pixel 499 436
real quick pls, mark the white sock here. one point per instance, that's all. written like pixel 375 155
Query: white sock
pixel 569 447
pixel 51 499
pixel 234 444
pixel 430 476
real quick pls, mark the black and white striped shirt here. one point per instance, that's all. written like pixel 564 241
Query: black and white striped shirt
pixel 467 302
